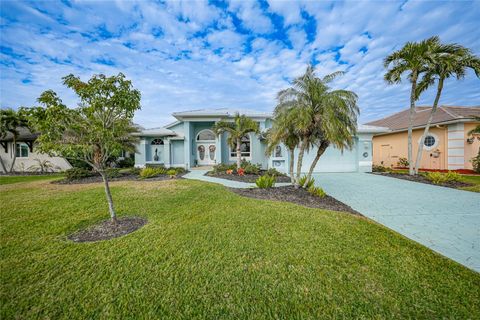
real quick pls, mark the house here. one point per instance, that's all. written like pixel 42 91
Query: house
pixel 27 158
pixel 447 146
pixel 190 142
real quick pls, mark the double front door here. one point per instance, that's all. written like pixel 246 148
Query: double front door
pixel 206 153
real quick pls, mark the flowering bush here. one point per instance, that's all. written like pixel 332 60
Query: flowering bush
pixel 230 171
pixel 241 171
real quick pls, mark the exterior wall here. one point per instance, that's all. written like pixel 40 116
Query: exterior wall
pixel 177 153
pixel 364 152
pixel 471 150
pixel 22 164
pixel 389 148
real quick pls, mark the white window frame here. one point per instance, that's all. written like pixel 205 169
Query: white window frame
pixel 233 153
pixel 434 146
pixel 20 144
pixel 198 134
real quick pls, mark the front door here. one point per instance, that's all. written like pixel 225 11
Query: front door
pixel 206 153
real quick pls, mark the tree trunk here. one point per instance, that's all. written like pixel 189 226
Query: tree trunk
pixel 3 165
pixel 299 161
pixel 427 127
pixel 410 123
pixel 321 149
pixel 14 150
pixel 291 165
pixel 111 208
pixel 239 153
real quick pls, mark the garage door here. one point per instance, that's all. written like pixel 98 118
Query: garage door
pixel 331 161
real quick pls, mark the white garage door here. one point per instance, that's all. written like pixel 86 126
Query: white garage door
pixel 331 161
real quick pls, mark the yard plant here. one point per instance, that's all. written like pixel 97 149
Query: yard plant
pixel 207 253
pixel 265 182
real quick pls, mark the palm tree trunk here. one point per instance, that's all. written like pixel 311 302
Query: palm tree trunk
pixel 410 122
pixel 291 165
pixel 299 161
pixel 321 149
pixel 239 153
pixel 111 208
pixel 427 127
pixel 14 150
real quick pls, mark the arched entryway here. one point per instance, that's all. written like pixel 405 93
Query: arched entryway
pixel 205 147
pixel 157 150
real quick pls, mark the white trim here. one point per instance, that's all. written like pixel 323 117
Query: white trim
pixel 435 145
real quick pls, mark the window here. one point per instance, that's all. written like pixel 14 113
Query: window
pixel 157 142
pixel 244 148
pixel 206 135
pixel 429 141
pixel 21 150
pixel 278 152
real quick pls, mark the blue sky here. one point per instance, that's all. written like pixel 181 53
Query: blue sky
pixel 209 54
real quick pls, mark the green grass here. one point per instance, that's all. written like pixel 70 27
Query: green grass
pixel 207 253
pixel 16 179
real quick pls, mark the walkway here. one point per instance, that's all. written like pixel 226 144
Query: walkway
pixel 443 219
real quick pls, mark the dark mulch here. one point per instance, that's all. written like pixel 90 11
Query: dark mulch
pixel 420 178
pixel 123 177
pixel 108 230
pixel 245 178
pixel 298 196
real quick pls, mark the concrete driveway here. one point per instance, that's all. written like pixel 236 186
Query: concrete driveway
pixel 443 219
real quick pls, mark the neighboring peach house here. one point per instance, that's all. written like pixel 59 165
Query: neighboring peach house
pixel 446 147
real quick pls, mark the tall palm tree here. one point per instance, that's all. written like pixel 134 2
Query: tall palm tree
pixel 237 129
pixel 412 59
pixel 322 116
pixel 444 65
pixel 10 121
pixel 284 131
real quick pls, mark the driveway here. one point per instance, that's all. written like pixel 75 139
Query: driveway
pixel 443 219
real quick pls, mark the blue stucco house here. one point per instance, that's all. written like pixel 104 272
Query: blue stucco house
pixel 189 142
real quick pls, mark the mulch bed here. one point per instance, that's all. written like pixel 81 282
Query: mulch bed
pixel 108 230
pixel 124 177
pixel 422 179
pixel 249 178
pixel 298 196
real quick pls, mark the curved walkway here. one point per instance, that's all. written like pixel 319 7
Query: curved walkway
pixel 443 219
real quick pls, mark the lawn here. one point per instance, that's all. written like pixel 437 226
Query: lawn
pixel 19 178
pixel 207 253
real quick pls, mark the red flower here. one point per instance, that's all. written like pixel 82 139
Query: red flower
pixel 229 171
pixel 241 171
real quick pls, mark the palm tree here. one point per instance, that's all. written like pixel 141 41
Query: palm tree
pixel 239 128
pixel 411 59
pixel 476 130
pixel 10 121
pixel 284 131
pixel 322 116
pixel 444 65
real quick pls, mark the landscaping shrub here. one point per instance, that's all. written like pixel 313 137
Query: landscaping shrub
pixel 379 168
pixel 134 171
pixel 273 172
pixel 436 177
pixel 172 173
pixel 303 182
pixel 126 163
pixel 223 167
pixel 179 170
pixel 150 172
pixel 113 173
pixel 241 171
pixel 453 176
pixel 403 162
pixel 78 173
pixel 316 191
pixel 265 181
pixel 476 162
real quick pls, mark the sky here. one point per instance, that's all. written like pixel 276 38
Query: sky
pixel 186 55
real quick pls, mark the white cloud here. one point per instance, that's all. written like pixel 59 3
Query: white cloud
pixel 251 15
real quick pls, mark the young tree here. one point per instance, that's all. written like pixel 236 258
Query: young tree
pixel 283 131
pixel 412 59
pixel 99 128
pixel 240 127
pixel 322 116
pixel 10 122
pixel 453 62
